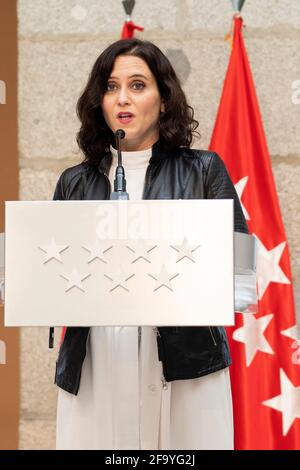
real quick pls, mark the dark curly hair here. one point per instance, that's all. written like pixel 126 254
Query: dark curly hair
pixel 176 125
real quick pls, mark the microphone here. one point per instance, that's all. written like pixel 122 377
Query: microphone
pixel 119 181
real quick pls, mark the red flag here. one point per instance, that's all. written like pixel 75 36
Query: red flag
pixel 265 373
pixel 129 28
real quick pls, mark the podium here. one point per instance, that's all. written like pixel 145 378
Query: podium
pixel 126 263
pixel 129 263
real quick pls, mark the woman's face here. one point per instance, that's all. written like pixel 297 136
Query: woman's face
pixel 132 88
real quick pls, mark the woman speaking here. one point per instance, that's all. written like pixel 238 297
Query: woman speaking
pixel 183 400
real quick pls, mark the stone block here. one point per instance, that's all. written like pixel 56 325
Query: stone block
pixel 216 16
pixel 52 77
pixel 92 17
pixel 37 434
pixel 37 185
pixel 37 365
pixel 286 179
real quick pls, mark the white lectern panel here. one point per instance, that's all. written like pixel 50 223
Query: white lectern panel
pixel 149 262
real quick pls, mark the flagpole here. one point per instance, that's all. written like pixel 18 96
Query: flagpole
pixel 129 26
pixel 238 5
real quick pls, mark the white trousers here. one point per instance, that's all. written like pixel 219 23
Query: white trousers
pixel 121 403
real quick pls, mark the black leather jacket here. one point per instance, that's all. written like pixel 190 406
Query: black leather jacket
pixel 185 352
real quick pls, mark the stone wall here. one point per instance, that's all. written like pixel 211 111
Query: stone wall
pixel 59 40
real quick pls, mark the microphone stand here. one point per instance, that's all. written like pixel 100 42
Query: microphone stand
pixel 120 193
pixel 120 181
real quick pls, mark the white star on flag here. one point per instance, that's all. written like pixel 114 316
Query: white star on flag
pixel 291 332
pixel 96 252
pixel 288 402
pixel 119 278
pixel 252 334
pixel 141 250
pixel 53 251
pixel 75 279
pixel 185 250
pixel 268 269
pixel 163 278
pixel 239 187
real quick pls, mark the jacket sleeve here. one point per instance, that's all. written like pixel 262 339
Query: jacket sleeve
pixel 220 186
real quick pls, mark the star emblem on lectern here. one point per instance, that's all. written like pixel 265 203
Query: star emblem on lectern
pixel 185 250
pixel 75 279
pixel 163 278
pixel 119 279
pixel 141 250
pixel 53 251
pixel 96 252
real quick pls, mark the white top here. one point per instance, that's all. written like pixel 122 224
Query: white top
pixel 121 403
pixel 135 165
